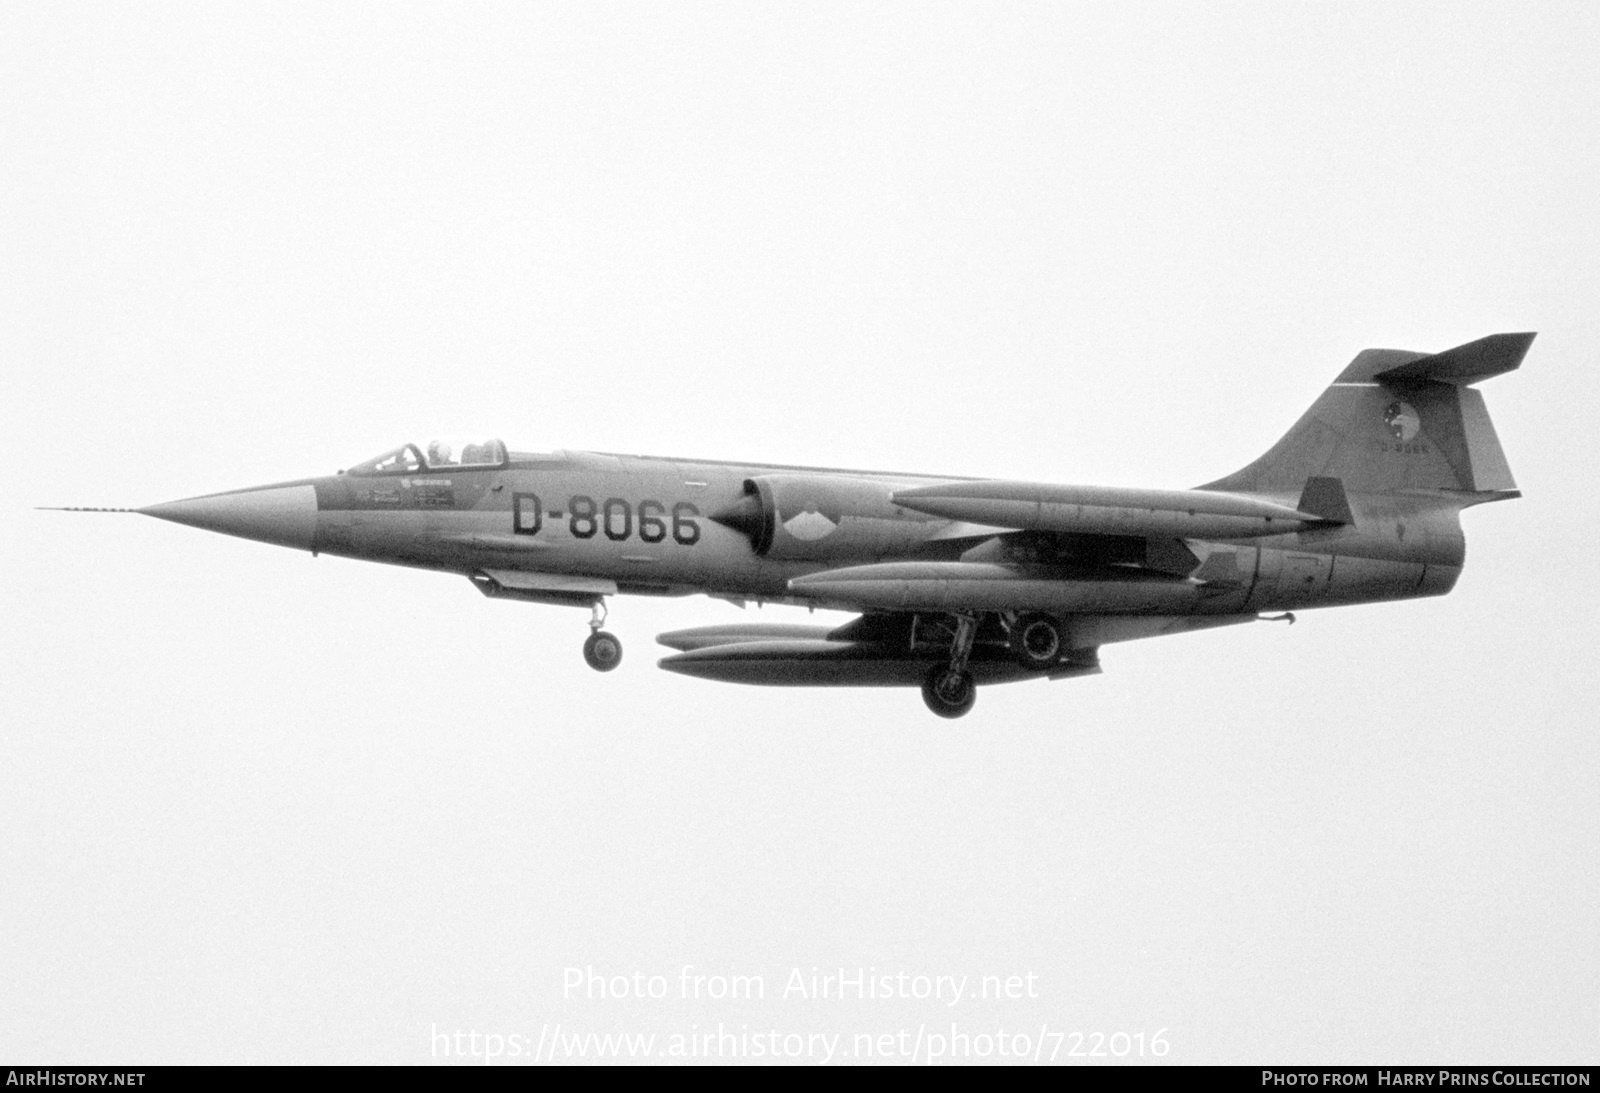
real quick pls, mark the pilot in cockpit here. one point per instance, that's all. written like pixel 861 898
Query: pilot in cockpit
pixel 438 454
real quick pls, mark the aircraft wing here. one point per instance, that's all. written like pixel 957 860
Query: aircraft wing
pixel 1072 550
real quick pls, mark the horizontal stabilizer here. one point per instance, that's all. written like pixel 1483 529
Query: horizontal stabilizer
pixel 1465 364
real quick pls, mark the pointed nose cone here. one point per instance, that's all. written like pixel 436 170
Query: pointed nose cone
pixel 285 515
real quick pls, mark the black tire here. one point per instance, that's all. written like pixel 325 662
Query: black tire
pixel 948 693
pixel 602 651
pixel 1036 641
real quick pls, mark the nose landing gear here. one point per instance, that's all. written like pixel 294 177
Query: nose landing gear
pixel 601 650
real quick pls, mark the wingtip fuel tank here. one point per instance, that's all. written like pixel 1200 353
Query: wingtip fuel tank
pixel 1103 510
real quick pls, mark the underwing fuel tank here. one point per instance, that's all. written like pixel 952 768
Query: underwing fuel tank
pixel 1108 510
pixel 982 586
pixel 822 663
pixel 738 633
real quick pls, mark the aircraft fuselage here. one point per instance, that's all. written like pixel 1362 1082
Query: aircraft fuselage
pixel 955 581
pixel 647 525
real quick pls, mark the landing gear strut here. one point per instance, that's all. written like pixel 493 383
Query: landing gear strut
pixel 950 690
pixel 602 650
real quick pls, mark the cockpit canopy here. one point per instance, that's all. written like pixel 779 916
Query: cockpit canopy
pixel 446 453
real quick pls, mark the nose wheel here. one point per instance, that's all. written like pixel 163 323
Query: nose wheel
pixel 602 651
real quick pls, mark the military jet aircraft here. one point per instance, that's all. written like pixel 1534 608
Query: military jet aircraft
pixel 956 581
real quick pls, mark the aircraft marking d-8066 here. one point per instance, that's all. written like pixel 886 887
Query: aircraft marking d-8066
pixel 957 581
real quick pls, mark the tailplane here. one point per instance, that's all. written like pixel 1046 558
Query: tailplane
pixel 1395 421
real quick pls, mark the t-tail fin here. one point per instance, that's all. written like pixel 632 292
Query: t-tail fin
pixel 1396 420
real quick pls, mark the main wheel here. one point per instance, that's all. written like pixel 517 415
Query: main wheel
pixel 949 693
pixel 603 651
pixel 1036 641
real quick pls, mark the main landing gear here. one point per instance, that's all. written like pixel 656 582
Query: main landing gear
pixel 950 690
pixel 1034 640
pixel 602 650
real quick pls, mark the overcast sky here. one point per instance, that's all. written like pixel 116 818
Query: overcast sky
pixel 1108 243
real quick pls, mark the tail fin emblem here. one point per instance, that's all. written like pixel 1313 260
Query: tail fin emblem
pixel 1403 421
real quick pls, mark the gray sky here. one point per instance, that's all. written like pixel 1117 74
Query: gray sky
pixel 1079 243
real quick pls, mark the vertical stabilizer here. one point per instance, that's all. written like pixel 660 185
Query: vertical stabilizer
pixel 1396 420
